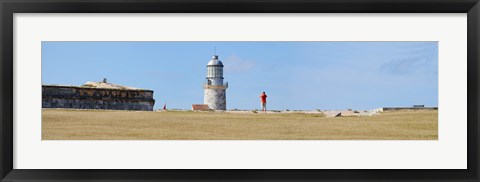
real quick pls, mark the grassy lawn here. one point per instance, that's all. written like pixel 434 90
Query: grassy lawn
pixel 60 124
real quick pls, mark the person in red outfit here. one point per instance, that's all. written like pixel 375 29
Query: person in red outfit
pixel 263 102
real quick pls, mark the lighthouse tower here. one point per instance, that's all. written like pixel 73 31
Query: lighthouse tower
pixel 214 88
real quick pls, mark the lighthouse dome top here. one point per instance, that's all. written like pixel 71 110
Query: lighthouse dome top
pixel 214 61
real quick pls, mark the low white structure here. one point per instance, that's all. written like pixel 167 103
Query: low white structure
pixel 214 89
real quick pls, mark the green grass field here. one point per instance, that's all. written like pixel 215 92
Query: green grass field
pixel 62 124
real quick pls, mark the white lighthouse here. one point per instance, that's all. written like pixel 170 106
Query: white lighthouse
pixel 214 88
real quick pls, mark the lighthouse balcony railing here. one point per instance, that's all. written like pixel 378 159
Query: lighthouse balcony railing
pixel 208 83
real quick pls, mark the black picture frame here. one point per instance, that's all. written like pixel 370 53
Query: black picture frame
pixel 9 7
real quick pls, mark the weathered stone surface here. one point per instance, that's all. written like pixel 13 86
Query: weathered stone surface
pixel 215 97
pixel 54 96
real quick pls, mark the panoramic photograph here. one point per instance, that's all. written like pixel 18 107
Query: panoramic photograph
pixel 95 90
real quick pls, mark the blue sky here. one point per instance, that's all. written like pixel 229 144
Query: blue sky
pixel 295 75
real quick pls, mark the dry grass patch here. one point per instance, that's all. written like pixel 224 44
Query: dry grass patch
pixel 60 124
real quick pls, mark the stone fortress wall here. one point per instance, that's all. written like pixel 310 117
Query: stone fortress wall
pixel 414 107
pixel 81 97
